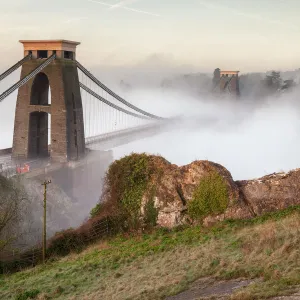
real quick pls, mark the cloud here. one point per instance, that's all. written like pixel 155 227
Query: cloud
pixel 141 11
pixel 122 3
pixel 124 7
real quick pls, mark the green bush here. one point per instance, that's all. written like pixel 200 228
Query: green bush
pixel 126 182
pixel 96 210
pixel 210 197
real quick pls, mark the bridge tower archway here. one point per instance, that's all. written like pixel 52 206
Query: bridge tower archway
pixel 34 108
pixel 38 135
pixel 39 131
pixel 40 90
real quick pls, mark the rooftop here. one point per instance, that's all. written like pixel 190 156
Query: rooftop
pixel 49 42
pixel 229 72
pixel 57 45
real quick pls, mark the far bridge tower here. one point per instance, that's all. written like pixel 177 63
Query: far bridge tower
pixel 226 82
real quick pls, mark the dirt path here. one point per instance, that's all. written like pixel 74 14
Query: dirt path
pixel 208 288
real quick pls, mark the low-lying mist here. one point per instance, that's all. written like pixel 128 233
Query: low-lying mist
pixel 250 137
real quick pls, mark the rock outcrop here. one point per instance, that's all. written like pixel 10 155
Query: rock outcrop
pixel 272 192
pixel 173 189
pixel 176 186
pixel 247 199
pixel 167 196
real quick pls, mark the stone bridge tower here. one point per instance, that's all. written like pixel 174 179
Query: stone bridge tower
pixel 226 82
pixel 34 107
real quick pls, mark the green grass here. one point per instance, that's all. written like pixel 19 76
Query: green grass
pixel 31 294
pixel 164 262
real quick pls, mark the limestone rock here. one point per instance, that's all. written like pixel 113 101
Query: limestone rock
pixel 247 198
pixel 172 187
pixel 197 170
pixel 272 192
pixel 175 187
pixel 167 198
pixel 192 175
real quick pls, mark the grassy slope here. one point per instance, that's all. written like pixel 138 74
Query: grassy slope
pixel 163 263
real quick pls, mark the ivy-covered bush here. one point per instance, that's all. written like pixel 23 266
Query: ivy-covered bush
pixel 127 181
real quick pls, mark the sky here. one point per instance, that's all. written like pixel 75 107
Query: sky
pixel 255 35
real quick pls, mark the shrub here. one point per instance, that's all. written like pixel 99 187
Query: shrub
pixel 210 197
pixel 65 242
pixel 127 180
pixel 96 210
pixel 28 258
pixel 75 240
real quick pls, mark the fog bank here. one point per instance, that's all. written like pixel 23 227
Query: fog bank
pixel 251 139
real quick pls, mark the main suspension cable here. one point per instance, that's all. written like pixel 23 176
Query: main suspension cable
pixel 111 104
pixel 27 77
pixel 110 92
pixel 15 67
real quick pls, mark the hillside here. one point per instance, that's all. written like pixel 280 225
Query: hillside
pixel 160 229
pixel 264 250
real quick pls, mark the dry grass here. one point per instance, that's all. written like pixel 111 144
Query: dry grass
pixel 154 266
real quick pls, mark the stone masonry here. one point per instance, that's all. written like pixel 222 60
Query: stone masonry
pixel 31 117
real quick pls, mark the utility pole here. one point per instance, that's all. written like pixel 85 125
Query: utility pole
pixel 45 183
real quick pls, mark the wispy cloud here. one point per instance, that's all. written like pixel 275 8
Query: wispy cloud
pixel 248 15
pixel 124 7
pixel 122 3
pixel 141 11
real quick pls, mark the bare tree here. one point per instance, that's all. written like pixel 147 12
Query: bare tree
pixel 14 207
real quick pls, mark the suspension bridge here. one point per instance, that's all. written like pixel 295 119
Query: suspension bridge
pixel 63 110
